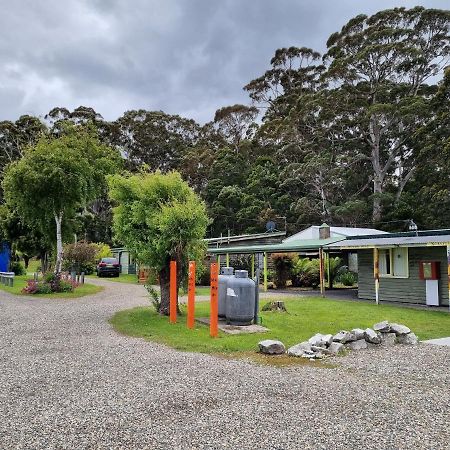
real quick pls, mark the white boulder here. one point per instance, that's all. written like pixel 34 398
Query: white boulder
pixel 399 329
pixel 358 332
pixel 382 327
pixel 388 339
pixel 335 348
pixel 300 349
pixel 408 339
pixel 317 340
pixel 344 336
pixel 372 336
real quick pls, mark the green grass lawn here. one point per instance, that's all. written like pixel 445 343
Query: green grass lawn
pixel 305 317
pixel 33 266
pixel 21 281
pixel 122 278
pixel 202 290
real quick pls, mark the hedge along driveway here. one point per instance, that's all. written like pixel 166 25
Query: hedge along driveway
pixel 305 317
pixel 21 281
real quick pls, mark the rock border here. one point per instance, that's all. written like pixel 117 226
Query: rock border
pixel 382 334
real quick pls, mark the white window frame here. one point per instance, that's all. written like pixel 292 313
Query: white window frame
pixel 392 263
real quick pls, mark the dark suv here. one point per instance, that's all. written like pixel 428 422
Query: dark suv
pixel 108 267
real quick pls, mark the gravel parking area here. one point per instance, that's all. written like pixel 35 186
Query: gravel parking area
pixel 67 380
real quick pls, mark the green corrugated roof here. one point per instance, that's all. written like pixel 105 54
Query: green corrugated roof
pixel 291 246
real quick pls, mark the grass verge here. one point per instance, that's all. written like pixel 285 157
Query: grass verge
pixel 305 317
pixel 21 281
pixel 122 278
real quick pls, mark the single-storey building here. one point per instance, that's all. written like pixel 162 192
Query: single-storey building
pixel 410 267
pixel 129 265
pixel 313 232
pixel 311 242
pixel 126 260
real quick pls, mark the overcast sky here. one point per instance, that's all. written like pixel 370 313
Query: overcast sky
pixel 187 57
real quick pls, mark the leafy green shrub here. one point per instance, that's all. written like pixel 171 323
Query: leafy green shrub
pixel 152 277
pixel 66 286
pixel 103 251
pixel 81 257
pixel 348 278
pixel 283 265
pixel 154 296
pixel 50 277
pixel 335 264
pixel 270 275
pixel 306 273
pixel 204 277
pixel 17 267
pixel 242 262
pixel 44 288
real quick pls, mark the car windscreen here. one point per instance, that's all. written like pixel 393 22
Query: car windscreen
pixel 110 260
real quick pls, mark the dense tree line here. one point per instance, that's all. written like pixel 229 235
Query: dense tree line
pixel 358 136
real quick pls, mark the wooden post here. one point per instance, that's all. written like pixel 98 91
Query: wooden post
pixel 191 295
pixel 253 265
pixel 265 271
pixel 173 292
pixel 228 259
pixel 330 284
pixel 214 306
pixel 321 273
pixel 376 274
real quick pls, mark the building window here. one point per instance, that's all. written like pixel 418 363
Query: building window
pixel 385 261
pixel 393 262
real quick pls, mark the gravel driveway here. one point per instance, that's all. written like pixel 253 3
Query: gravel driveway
pixel 67 380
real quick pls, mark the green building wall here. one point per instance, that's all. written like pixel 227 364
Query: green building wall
pixel 407 290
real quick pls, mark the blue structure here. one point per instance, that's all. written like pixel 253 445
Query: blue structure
pixel 4 257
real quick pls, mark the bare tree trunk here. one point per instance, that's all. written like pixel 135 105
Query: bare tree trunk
pixel 59 246
pixel 164 282
pixel 378 171
pixel 402 185
pixel 44 261
pixel 26 260
pixel 377 207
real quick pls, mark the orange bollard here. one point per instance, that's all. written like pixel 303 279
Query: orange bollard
pixel 173 292
pixel 214 308
pixel 191 295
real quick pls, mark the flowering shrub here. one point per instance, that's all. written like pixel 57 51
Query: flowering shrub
pixel 51 283
pixel 37 287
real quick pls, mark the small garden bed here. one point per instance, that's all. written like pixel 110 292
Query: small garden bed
pixel 304 317
pixel 22 281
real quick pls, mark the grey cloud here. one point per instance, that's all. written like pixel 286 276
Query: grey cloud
pixel 185 57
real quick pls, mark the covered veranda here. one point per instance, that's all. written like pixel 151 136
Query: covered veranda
pixel 312 247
